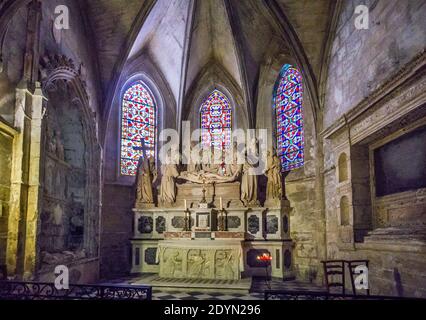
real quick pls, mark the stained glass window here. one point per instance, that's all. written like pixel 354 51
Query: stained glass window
pixel 216 120
pixel 289 118
pixel 137 124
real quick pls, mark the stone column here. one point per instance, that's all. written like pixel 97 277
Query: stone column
pixel 17 189
pixel 33 203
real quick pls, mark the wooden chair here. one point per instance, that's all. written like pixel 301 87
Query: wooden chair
pixel 352 264
pixel 334 273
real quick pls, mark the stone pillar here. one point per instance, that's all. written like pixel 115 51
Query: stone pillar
pixel 17 189
pixel 27 108
pixel 32 214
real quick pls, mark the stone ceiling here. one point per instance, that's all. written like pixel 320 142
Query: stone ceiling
pixel 220 31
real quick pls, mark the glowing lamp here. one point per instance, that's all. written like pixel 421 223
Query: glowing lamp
pixel 265 257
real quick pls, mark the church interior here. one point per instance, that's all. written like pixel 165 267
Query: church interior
pixel 208 144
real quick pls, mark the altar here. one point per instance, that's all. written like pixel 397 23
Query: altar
pixel 209 225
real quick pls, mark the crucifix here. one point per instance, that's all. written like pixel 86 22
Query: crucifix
pixel 203 200
pixel 143 148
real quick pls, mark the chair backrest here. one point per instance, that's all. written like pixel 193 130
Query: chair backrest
pixel 334 273
pixel 352 264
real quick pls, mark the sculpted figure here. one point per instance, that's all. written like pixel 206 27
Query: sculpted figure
pixel 249 185
pixel 212 171
pixel 173 263
pixel 273 173
pixel 147 175
pixel 194 166
pixel 168 183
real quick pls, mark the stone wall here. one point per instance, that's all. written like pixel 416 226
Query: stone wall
pixel 376 80
pixel 5 174
pixel 117 229
pixel 12 53
pixel 363 59
pixel 357 221
pixel 78 67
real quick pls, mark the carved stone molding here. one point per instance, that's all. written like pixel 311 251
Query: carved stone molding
pixel 407 86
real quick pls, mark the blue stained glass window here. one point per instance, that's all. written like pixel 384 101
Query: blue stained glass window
pixel 287 101
pixel 137 124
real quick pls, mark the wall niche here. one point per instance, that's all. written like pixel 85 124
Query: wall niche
pixel 343 168
pixel 399 172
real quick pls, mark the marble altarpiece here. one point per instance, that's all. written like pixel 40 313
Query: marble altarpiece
pixel 207 222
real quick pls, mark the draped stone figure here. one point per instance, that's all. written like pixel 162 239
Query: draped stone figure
pixel 273 173
pixel 168 183
pixel 249 185
pixel 232 165
pixel 194 164
pixel 147 175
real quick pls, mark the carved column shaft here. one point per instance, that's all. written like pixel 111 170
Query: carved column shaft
pixel 33 204
pixel 17 188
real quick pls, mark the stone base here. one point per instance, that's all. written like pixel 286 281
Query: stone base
pixel 165 284
pixel 193 193
pixel 140 205
pixel 202 259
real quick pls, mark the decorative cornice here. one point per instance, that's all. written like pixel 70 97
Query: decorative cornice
pixel 385 92
pixel 51 62
pixel 55 67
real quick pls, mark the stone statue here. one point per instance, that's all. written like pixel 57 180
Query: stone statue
pixel 211 171
pixel 210 161
pixel 168 183
pixel 232 166
pixel 249 185
pixel 146 177
pixel 194 165
pixel 273 173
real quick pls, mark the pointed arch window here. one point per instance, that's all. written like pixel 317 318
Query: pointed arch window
pixel 287 101
pixel 216 121
pixel 138 126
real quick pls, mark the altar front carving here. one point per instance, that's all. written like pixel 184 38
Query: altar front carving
pixel 200 260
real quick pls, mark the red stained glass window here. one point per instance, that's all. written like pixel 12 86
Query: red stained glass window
pixel 137 124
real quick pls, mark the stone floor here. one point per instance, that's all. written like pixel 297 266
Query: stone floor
pixel 191 289
pixel 194 295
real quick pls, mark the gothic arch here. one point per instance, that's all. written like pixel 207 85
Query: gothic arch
pixel 60 73
pixel 213 76
pixel 141 68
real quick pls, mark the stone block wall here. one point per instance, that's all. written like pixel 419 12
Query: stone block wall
pixel 5 174
pixel 375 88
pixel 363 59
pixel 117 230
